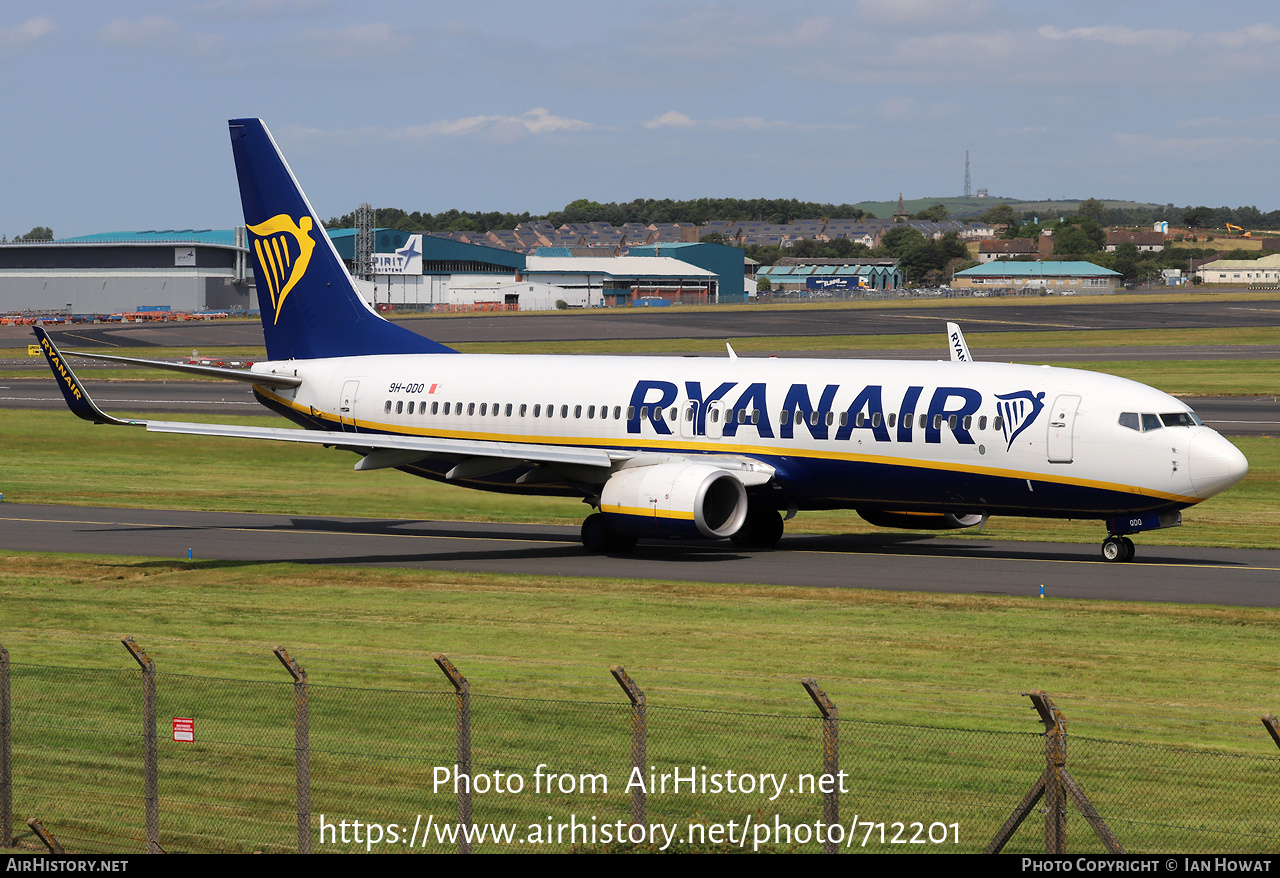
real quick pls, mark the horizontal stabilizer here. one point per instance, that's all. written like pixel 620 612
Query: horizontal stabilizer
pixel 266 379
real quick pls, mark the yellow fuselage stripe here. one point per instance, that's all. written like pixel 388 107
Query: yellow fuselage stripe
pixel 724 448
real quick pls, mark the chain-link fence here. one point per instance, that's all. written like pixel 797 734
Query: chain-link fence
pixel 243 766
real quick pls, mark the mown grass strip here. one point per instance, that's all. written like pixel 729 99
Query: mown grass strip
pixel 1191 675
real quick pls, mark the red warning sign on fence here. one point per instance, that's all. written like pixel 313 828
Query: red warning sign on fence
pixel 184 729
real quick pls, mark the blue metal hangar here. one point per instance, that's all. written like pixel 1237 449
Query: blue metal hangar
pixel 466 275
pixel 198 270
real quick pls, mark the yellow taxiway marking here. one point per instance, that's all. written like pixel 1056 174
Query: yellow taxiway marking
pixel 100 341
pixel 967 320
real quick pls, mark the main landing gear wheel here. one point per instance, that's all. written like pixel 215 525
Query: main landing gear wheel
pixel 599 538
pixel 761 530
pixel 1117 549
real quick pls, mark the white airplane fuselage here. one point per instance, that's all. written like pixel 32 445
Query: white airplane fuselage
pixel 972 438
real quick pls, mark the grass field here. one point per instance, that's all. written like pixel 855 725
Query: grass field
pixel 934 725
pixel 882 656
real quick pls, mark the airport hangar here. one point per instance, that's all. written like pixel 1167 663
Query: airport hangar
pixel 202 270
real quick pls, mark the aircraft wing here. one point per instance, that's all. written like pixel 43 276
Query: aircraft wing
pixel 380 449
pixel 421 446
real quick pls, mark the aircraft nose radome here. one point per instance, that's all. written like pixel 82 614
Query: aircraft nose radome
pixel 1215 464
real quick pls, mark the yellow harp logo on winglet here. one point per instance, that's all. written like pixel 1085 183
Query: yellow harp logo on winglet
pixel 283 248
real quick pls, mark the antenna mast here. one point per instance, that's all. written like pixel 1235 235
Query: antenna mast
pixel 968 192
pixel 364 242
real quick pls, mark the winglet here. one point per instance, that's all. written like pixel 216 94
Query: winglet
pixel 78 400
pixel 733 355
pixel 955 340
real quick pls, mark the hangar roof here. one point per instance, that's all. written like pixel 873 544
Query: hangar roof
pixel 1272 261
pixel 1003 268
pixel 218 237
pixel 616 266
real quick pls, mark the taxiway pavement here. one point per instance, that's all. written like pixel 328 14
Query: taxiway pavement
pixel 889 561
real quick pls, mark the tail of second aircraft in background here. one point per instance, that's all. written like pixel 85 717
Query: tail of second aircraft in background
pixel 310 307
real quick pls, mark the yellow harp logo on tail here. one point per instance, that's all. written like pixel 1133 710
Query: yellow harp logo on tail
pixel 282 264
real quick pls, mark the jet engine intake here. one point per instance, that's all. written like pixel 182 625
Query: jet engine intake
pixel 678 499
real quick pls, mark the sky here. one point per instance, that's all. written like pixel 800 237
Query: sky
pixel 116 112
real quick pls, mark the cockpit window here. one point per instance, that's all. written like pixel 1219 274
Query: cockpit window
pixel 1146 422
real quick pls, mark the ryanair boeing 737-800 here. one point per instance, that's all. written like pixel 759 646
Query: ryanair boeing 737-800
pixel 702 447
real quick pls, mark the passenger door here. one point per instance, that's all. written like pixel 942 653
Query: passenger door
pixel 1062 423
pixel 347 406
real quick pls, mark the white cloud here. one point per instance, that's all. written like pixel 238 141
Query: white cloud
pixel 1252 122
pixel 160 33
pixel 670 119
pixel 537 121
pixel 921 13
pixel 15 39
pixel 237 9
pixel 1253 35
pixel 374 40
pixel 722 34
pixel 673 119
pixel 1120 36
pixel 1261 34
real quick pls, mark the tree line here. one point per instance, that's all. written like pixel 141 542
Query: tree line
pixel 642 210
pixel 1201 217
pixel 922 260
pixel 39 233
pixel 1083 236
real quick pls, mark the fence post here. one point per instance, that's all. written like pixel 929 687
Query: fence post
pixel 1055 785
pixel 150 768
pixel 1273 727
pixel 6 755
pixel 301 747
pixel 639 740
pixel 463 768
pixel 1055 754
pixel 830 758
pixel 45 836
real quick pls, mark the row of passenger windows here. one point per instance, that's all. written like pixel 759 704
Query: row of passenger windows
pixel 496 409
pixel 742 416
pixel 1145 422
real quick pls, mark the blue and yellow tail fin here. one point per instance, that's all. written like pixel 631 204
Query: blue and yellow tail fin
pixel 310 307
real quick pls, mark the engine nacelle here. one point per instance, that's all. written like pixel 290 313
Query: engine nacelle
pixel 675 500
pixel 920 520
